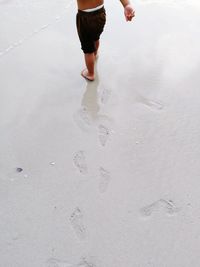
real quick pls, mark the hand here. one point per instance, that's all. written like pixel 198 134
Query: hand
pixel 129 12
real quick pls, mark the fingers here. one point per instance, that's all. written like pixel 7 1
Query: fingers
pixel 130 16
pixel 129 13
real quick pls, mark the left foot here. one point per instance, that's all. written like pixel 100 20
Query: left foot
pixel 87 75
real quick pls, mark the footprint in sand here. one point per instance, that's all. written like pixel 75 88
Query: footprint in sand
pixel 156 105
pixel 52 262
pixel 80 161
pixel 86 263
pixel 76 220
pixel 57 263
pixel 167 205
pixel 105 95
pixel 83 118
pixel 104 180
pixel 104 134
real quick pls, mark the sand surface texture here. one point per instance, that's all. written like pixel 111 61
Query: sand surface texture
pixel 101 174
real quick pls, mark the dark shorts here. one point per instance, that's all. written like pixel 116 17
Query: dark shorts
pixel 90 25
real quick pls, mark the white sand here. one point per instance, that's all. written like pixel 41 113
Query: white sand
pixel 110 173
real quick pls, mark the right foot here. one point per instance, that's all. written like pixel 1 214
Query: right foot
pixel 87 75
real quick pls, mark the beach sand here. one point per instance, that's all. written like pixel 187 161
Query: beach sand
pixel 103 173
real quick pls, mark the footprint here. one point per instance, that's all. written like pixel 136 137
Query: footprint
pixel 83 118
pixel 151 103
pixel 76 220
pixel 85 263
pixel 57 263
pixel 104 134
pixel 104 180
pixel 154 104
pixel 80 161
pixel 105 96
pixel 148 210
pixel 167 205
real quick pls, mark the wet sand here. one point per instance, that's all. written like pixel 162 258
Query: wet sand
pixel 99 174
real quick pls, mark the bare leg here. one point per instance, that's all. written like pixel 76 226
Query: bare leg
pixel 89 61
pixel 96 47
pixel 88 73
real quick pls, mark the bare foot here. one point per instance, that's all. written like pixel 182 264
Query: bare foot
pixel 87 76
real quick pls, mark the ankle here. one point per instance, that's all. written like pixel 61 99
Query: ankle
pixel 90 73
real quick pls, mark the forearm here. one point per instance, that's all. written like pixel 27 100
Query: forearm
pixel 125 2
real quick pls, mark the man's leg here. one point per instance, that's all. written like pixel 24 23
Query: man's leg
pixel 89 62
pixel 96 47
